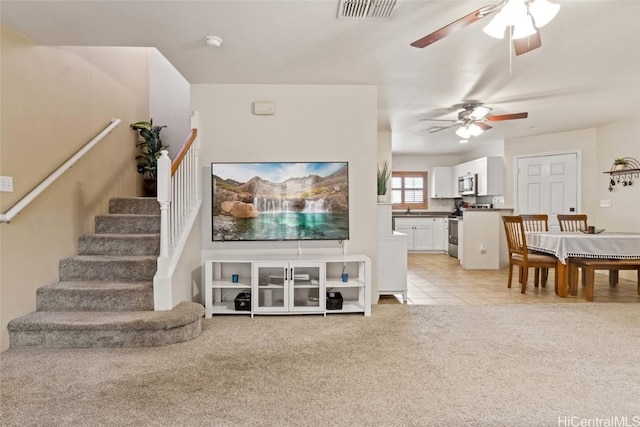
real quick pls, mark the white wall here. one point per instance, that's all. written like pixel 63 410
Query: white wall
pixel 482 149
pixel 619 139
pixel 169 101
pixel 311 123
pixel 583 141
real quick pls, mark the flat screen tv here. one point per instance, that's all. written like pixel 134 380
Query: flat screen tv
pixel 280 201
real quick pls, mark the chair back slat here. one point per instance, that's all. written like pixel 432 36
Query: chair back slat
pixel 572 222
pixel 535 222
pixel 516 238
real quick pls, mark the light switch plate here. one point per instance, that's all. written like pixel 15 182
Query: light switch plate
pixel 6 184
pixel 605 203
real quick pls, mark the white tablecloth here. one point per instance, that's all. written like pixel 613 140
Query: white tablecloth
pixel 580 245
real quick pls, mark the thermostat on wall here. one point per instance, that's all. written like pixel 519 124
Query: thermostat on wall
pixel 264 107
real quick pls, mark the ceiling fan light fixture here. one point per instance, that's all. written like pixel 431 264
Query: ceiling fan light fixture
pixel 524 28
pixel 463 132
pixel 496 27
pixel 474 129
pixel 513 11
pixel 543 11
pixel 479 112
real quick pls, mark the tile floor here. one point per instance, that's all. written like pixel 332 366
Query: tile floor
pixel 439 279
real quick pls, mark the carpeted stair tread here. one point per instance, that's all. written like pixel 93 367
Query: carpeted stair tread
pixel 134 205
pixel 119 244
pixel 113 268
pixel 113 257
pixel 183 313
pixel 92 329
pixel 127 224
pixel 95 296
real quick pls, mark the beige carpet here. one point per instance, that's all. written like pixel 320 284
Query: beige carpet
pixel 516 365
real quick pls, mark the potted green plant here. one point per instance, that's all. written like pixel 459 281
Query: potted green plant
pixel 150 146
pixel 383 179
pixel 619 163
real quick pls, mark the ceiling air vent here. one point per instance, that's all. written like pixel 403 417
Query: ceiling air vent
pixel 366 9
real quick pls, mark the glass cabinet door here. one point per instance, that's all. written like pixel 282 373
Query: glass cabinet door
pixel 306 290
pixel 271 293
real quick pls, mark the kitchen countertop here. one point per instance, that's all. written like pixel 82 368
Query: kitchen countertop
pixel 421 214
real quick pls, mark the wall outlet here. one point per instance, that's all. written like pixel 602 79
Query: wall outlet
pixel 483 250
pixel 605 203
pixel 6 184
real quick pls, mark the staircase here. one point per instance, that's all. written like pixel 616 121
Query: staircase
pixel 105 294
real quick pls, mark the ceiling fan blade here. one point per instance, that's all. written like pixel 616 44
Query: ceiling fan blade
pixel 527 44
pixel 425 41
pixel 440 120
pixel 507 117
pixel 434 129
pixel 483 125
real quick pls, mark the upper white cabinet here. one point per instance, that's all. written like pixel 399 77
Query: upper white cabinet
pixel 489 171
pixel 441 183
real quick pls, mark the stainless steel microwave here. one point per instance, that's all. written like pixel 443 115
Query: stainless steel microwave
pixel 467 185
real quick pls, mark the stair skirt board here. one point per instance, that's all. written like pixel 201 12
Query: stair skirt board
pixel 107 329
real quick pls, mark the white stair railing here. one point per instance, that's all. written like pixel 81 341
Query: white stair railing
pixel 26 200
pixel 179 198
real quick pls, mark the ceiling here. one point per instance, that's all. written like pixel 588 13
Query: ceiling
pixel 586 74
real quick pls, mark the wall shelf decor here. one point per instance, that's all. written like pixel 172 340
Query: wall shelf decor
pixel 622 172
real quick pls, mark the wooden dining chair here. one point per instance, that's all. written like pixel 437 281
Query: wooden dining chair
pixel 537 222
pixel 519 254
pixel 572 222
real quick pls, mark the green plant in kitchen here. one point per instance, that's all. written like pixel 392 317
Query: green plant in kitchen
pixel 383 178
pixel 150 146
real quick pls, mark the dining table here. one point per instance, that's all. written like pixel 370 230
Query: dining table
pixel 566 245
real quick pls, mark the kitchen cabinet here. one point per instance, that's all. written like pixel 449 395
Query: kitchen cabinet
pixel 489 171
pixel 441 183
pixel 423 234
pixel 287 284
pixel 392 265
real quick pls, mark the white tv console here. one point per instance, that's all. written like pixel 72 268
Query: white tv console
pixel 287 284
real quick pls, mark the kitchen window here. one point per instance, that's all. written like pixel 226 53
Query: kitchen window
pixel 409 190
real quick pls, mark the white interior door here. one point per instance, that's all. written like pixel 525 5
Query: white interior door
pixel 548 184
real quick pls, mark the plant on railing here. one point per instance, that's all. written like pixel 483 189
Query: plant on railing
pixel 150 147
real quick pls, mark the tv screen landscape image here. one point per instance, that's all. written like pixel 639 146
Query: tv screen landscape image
pixel 280 201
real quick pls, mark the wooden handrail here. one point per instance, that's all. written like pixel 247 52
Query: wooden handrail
pixel 18 207
pixel 183 151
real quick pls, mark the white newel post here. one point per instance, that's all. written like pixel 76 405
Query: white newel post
pixel 164 198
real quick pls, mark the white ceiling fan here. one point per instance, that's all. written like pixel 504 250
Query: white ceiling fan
pixel 522 17
pixel 472 120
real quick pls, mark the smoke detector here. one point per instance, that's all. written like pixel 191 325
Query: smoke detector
pixel 213 41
